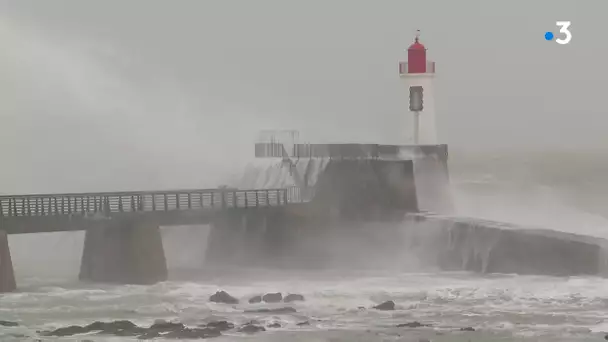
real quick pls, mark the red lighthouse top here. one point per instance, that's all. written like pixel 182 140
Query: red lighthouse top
pixel 416 57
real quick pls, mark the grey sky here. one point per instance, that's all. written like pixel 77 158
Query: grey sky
pixel 94 92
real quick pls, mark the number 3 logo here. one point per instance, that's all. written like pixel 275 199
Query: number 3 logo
pixel 564 29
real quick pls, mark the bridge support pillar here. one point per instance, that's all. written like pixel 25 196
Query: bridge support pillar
pixel 7 275
pixel 247 238
pixel 124 253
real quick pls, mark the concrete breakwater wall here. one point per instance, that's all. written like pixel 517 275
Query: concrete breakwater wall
pixel 360 216
pixel 287 240
pixel 491 247
pixel 353 165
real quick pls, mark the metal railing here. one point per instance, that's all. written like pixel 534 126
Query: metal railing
pixel 403 68
pixel 149 201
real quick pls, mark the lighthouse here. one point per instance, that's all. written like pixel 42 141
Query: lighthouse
pixel 417 74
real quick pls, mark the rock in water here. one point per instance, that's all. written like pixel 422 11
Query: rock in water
pixel 292 297
pixel 251 329
pixel 256 299
pixel 163 326
pixel 467 329
pixel 67 331
pixel 274 325
pixel 284 310
pixel 9 324
pixel 386 306
pixel 272 297
pixel 220 325
pixel 412 325
pixel 223 297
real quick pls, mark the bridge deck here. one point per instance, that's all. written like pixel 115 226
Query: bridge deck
pixel 57 212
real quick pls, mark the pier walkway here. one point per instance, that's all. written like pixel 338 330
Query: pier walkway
pixel 80 211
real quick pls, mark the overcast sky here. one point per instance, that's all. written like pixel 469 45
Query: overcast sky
pixel 115 94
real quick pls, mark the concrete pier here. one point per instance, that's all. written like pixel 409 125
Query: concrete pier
pixel 124 253
pixel 246 238
pixel 491 247
pixel 7 274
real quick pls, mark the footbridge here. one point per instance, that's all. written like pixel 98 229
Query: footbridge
pixel 39 213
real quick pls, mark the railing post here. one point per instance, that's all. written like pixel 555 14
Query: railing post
pixel 257 198
pixel 166 202
pixel 189 200
pixel 177 201
pixel 200 195
pixel 213 199
pixel 120 208
pixel 106 204
pixel 268 197
pixel 153 202
pixel 235 202
pixel 133 203
pixel 246 202
pixel 224 204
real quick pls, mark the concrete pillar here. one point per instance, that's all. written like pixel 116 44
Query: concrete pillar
pixel 433 184
pixel 124 253
pixel 7 275
pixel 247 238
pixel 226 239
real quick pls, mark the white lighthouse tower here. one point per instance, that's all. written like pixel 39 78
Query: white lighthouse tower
pixel 418 74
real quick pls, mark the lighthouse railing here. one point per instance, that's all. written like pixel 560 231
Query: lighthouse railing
pixel 403 68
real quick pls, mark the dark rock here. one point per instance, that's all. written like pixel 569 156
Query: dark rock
pixel 9 324
pixel 110 326
pixel 220 325
pixel 412 325
pixel 361 308
pixel 388 305
pixel 251 329
pixel 188 333
pixel 118 328
pixel 292 297
pixel 272 297
pixel 275 311
pixel 66 331
pixel 467 329
pixel 256 299
pixel 163 326
pixel 274 325
pixel 124 332
pixel 223 297
pixel 303 323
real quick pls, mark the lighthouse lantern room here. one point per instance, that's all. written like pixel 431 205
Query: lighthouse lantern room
pixel 417 74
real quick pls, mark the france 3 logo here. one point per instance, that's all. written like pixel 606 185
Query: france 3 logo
pixel 564 30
